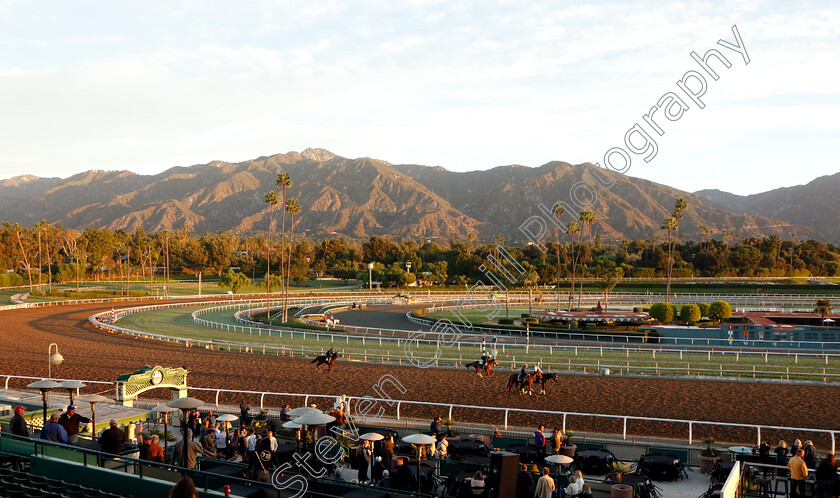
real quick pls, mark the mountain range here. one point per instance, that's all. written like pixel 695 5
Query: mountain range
pixel 364 197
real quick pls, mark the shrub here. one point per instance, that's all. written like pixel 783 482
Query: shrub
pixel 664 312
pixel 720 310
pixel 704 309
pixel 505 321
pixel 532 320
pixel 524 315
pixel 573 324
pixel 690 313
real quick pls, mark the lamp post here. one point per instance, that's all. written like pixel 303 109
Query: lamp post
pixel 53 358
pixel 185 405
pixel 93 399
pixel 370 276
pixel 44 386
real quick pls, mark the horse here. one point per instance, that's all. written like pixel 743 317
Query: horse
pixel 545 378
pixel 323 360
pixel 486 368
pixel 526 384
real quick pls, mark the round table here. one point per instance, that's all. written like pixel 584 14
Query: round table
pixel 741 450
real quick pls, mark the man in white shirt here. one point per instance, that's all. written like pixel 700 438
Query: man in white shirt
pixel 443 447
pixel 251 448
pixel 221 441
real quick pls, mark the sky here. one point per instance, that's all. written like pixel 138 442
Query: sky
pixel 466 85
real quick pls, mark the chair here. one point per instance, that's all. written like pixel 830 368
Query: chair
pixel 91 493
pixel 31 492
pixel 784 482
pixel 38 481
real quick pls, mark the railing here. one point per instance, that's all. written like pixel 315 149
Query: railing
pixel 202 479
pixel 502 412
pixel 655 367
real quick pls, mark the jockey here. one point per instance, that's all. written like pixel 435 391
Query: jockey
pixel 523 373
pixel 484 358
pixel 330 353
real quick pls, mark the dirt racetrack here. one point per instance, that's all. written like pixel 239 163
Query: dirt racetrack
pixel 94 355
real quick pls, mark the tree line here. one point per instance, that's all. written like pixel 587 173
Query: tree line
pixel 46 253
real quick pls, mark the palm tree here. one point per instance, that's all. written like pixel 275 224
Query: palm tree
pixel 587 218
pixel 284 181
pixel 572 229
pixel 271 200
pixel 609 279
pixel 293 208
pixel 668 224
pixel 823 308
pixel 673 226
pixel 557 210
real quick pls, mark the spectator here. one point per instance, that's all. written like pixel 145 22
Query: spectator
pixel 795 447
pixel 436 426
pixel 586 491
pixel 579 477
pixel 53 431
pixel 70 421
pixel 155 450
pixel 477 483
pixel 539 442
pixel 272 447
pixel 386 482
pixel 404 478
pixel 764 452
pixel 193 450
pixel 574 487
pixel 245 412
pixel 798 473
pixel 389 442
pixel 143 447
pixel 377 470
pixel 111 439
pixel 781 453
pixel 283 414
pixel 443 447
pixel 810 454
pixel 221 441
pixel 387 453
pixel 545 485
pixel 185 488
pixel 827 481
pixel 251 449
pixel 211 419
pixel 18 423
pixel 557 439
pixel 523 482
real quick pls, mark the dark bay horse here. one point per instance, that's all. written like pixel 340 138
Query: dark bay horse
pixel 487 368
pixel 527 384
pixel 545 378
pixel 321 360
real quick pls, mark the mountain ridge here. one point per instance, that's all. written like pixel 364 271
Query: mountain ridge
pixel 360 198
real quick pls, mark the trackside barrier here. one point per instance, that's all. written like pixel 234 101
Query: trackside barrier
pixel 658 368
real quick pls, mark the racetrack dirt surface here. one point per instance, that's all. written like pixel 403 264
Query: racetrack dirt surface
pixel 90 354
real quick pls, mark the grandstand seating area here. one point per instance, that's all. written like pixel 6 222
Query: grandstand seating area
pixel 15 484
